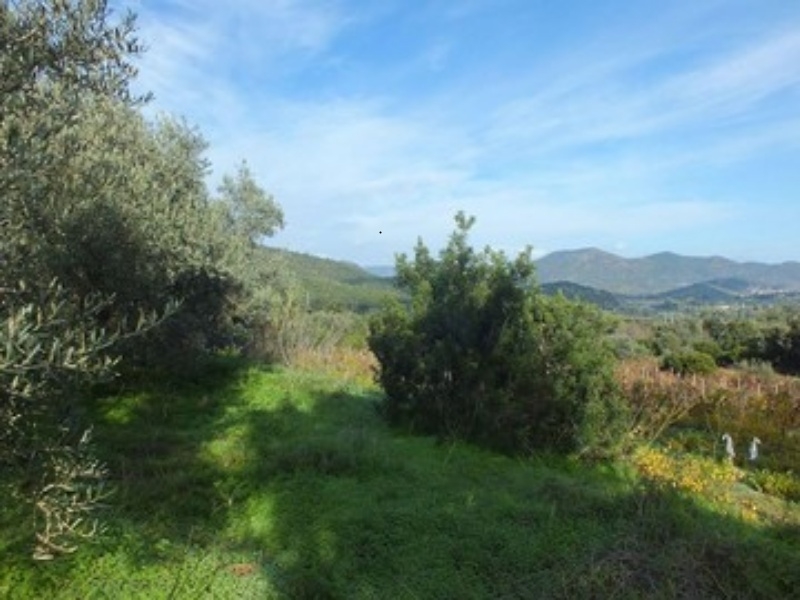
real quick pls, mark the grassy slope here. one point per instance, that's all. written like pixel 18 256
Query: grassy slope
pixel 257 484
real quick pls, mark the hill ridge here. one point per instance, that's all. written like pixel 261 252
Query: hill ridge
pixel 661 272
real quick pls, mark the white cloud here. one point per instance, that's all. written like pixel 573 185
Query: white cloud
pixel 205 51
pixel 736 82
pixel 605 105
pixel 575 146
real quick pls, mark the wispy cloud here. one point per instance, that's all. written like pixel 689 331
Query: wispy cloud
pixel 611 137
pixel 205 50
pixel 607 106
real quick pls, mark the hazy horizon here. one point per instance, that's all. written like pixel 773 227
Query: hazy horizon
pixel 536 256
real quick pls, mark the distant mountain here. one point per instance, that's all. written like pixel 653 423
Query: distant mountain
pixel 658 282
pixel 710 292
pixel 665 272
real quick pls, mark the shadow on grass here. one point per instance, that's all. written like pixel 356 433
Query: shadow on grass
pixel 299 475
pixel 340 507
pixel 151 437
pixel 304 487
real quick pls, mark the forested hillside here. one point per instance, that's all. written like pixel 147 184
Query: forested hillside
pixel 331 284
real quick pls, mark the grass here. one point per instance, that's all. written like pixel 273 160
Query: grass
pixel 252 483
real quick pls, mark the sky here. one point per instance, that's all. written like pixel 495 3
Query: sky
pixel 634 126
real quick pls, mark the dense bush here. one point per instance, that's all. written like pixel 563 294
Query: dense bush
pixel 734 339
pixel 689 362
pixel 771 336
pixel 675 335
pixel 481 354
pixel 782 347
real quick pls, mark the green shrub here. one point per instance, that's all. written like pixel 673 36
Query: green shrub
pixel 711 348
pixel 691 362
pixel 782 347
pixel 735 340
pixel 481 354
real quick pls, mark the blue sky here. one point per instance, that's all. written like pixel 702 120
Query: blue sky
pixel 634 126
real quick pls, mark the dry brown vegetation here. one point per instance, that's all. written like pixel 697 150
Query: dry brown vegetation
pixel 743 403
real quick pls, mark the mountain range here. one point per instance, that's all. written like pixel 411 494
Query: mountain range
pixel 666 272
pixel 661 282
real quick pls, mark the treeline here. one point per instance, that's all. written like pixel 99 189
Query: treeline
pixel 113 254
pixel 769 338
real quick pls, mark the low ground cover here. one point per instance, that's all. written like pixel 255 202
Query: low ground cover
pixel 258 483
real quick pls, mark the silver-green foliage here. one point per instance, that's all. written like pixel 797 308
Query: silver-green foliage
pixel 105 217
pixel 54 56
pixel 49 351
pixel 106 202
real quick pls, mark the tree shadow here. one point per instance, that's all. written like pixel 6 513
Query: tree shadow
pixel 308 465
pixel 152 439
pixel 341 507
pixel 303 477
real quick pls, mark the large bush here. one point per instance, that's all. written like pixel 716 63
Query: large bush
pixel 481 354
pixel 736 340
pixel 689 362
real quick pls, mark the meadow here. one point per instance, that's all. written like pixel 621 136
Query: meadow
pixel 253 482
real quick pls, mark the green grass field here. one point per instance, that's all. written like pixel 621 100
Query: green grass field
pixel 253 483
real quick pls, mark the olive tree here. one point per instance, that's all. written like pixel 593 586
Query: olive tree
pixel 111 244
pixel 50 350
pixel 55 58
